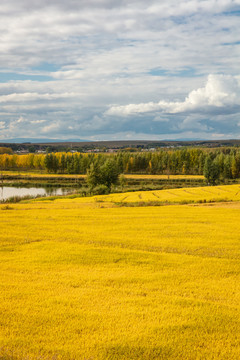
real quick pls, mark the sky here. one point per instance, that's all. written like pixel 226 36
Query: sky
pixel 120 70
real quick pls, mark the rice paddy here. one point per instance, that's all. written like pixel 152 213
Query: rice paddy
pixel 86 279
pixel 44 174
pixel 219 193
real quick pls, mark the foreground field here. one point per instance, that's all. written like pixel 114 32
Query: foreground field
pixel 84 279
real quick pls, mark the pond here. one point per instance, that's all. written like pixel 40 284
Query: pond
pixel 7 191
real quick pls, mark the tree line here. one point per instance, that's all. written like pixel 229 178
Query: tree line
pixel 215 164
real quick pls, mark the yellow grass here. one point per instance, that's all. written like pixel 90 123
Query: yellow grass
pixel 167 177
pixel 39 174
pixel 128 176
pixel 82 279
pixel 172 196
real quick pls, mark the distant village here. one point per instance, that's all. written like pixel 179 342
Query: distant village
pixel 42 151
pixel 112 146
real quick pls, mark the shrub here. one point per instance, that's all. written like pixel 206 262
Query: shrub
pixel 106 175
pixel 101 190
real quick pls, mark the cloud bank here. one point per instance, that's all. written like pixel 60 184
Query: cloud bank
pixel 119 69
pixel 220 94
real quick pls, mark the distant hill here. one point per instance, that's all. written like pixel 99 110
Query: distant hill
pixel 37 141
pixel 141 143
pixel 76 144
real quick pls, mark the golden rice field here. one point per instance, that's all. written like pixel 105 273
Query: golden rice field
pixel 165 177
pixel 85 279
pixel 128 176
pixel 219 193
pixel 38 174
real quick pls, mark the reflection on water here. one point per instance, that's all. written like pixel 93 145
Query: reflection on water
pixel 7 191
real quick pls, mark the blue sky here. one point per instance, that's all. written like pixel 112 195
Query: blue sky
pixel 105 70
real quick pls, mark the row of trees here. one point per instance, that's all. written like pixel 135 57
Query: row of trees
pixel 219 163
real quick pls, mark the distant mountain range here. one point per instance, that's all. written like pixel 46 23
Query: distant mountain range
pixel 38 141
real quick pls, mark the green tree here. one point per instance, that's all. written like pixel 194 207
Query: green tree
pixel 234 167
pixel 55 163
pixel 106 174
pixel 94 177
pixel 48 162
pixel 122 181
pixel 63 163
pixel 211 170
pixel 70 165
pixel 227 173
pixel 51 162
pixel 110 173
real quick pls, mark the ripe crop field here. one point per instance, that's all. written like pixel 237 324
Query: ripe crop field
pixel 86 279
pixel 173 196
pixel 39 174
pixel 43 174
pixel 166 177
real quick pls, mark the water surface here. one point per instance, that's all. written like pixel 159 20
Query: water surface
pixel 7 191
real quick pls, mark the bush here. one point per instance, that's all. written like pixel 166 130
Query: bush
pixel 106 175
pixel 101 190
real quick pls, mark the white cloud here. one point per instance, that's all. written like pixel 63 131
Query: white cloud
pixel 21 120
pixel 34 96
pixel 50 128
pixel 37 121
pixel 161 118
pixel 220 91
pixel 128 53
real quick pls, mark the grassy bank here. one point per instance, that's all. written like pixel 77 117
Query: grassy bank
pixel 132 182
pixel 42 174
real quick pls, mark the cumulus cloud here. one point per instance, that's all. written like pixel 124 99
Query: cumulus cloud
pixel 220 92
